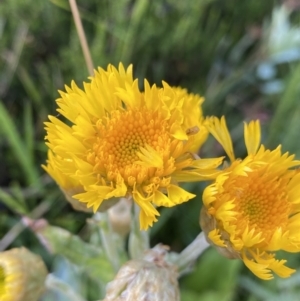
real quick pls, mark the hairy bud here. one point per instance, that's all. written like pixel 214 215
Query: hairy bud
pixel 22 275
pixel 149 278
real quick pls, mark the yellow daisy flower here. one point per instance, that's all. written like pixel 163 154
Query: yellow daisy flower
pixel 120 142
pixel 22 275
pixel 253 208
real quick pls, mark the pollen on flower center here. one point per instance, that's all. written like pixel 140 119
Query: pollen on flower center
pixel 261 202
pixel 121 136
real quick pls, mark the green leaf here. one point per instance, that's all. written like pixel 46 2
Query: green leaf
pixel 284 128
pixel 29 131
pixel 187 295
pixel 213 273
pixel 9 130
pixel 91 258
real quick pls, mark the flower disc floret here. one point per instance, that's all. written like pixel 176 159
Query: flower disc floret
pixel 122 142
pixel 252 209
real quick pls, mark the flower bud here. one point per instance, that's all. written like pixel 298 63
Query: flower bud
pixel 149 278
pixel 22 275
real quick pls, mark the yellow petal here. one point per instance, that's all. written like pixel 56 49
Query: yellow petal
pixel 146 221
pixel 215 237
pixel 178 132
pixel 209 195
pixel 252 135
pixel 278 267
pixel 208 163
pixel 260 270
pixel 178 195
pixel 149 157
pixel 161 199
pixel 218 128
pixel 225 212
pixel 250 238
pixel 148 212
pixel 120 189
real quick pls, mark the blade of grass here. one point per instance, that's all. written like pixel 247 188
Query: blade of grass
pixel 17 193
pixel 12 203
pixel 30 87
pixel 138 13
pixel 12 58
pixel 290 141
pixel 28 131
pixel 286 106
pixel 17 146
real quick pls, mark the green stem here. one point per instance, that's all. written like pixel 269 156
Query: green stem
pixel 107 239
pixel 138 239
pixel 189 255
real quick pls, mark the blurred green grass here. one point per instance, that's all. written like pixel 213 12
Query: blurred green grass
pixel 225 50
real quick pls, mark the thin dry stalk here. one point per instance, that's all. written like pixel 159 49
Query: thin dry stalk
pixel 82 37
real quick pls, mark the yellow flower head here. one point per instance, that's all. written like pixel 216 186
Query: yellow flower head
pixel 121 142
pixel 253 207
pixel 22 275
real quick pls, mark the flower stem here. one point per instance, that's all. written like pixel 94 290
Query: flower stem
pixel 82 37
pixel 55 284
pixel 138 239
pixel 189 255
pixel 107 239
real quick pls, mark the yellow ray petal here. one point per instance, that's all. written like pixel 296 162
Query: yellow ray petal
pixel 252 135
pixel 250 238
pixel 149 157
pixel 208 163
pixel 218 128
pixel 260 270
pixel 215 237
pixel 148 212
pixel 178 195
pixel 278 267
pixel 161 199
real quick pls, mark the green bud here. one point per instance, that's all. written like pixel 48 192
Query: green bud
pixel 22 275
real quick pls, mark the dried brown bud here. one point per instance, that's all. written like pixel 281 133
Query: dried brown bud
pixel 149 278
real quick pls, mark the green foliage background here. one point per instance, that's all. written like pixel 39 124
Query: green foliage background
pixel 243 56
